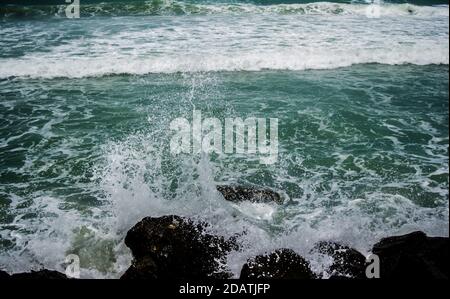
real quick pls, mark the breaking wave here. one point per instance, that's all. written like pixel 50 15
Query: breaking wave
pixel 36 67
pixel 170 8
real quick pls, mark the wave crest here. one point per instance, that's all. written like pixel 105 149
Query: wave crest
pixel 173 7
pixel 35 67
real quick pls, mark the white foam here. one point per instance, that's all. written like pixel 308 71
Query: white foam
pixel 258 211
pixel 233 43
pixel 289 60
pixel 170 7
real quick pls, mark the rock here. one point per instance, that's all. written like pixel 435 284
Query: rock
pixel 239 193
pixel 413 255
pixel 143 268
pixel 280 264
pixel 41 274
pixel 177 248
pixel 347 262
pixel 4 275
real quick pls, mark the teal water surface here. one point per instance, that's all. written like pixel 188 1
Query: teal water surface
pixel 86 106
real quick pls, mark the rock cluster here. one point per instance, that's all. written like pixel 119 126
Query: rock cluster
pixel 173 247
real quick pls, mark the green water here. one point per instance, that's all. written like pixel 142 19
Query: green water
pixel 86 106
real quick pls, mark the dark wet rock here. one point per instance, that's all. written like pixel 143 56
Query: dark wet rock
pixel 413 255
pixel 41 274
pixel 142 268
pixel 239 193
pixel 280 264
pixel 177 248
pixel 347 262
pixel 4 275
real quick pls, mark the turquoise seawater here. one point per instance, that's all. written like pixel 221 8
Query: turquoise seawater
pixel 86 106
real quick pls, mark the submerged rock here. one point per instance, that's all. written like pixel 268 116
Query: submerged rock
pixel 413 255
pixel 280 264
pixel 347 262
pixel 41 274
pixel 177 248
pixel 239 193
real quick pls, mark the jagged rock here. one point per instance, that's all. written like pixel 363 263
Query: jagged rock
pixel 280 264
pixel 41 274
pixel 413 255
pixel 347 262
pixel 177 248
pixel 239 193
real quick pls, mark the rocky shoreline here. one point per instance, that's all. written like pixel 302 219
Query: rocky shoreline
pixel 174 247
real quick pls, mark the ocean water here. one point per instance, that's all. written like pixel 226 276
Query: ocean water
pixel 86 106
